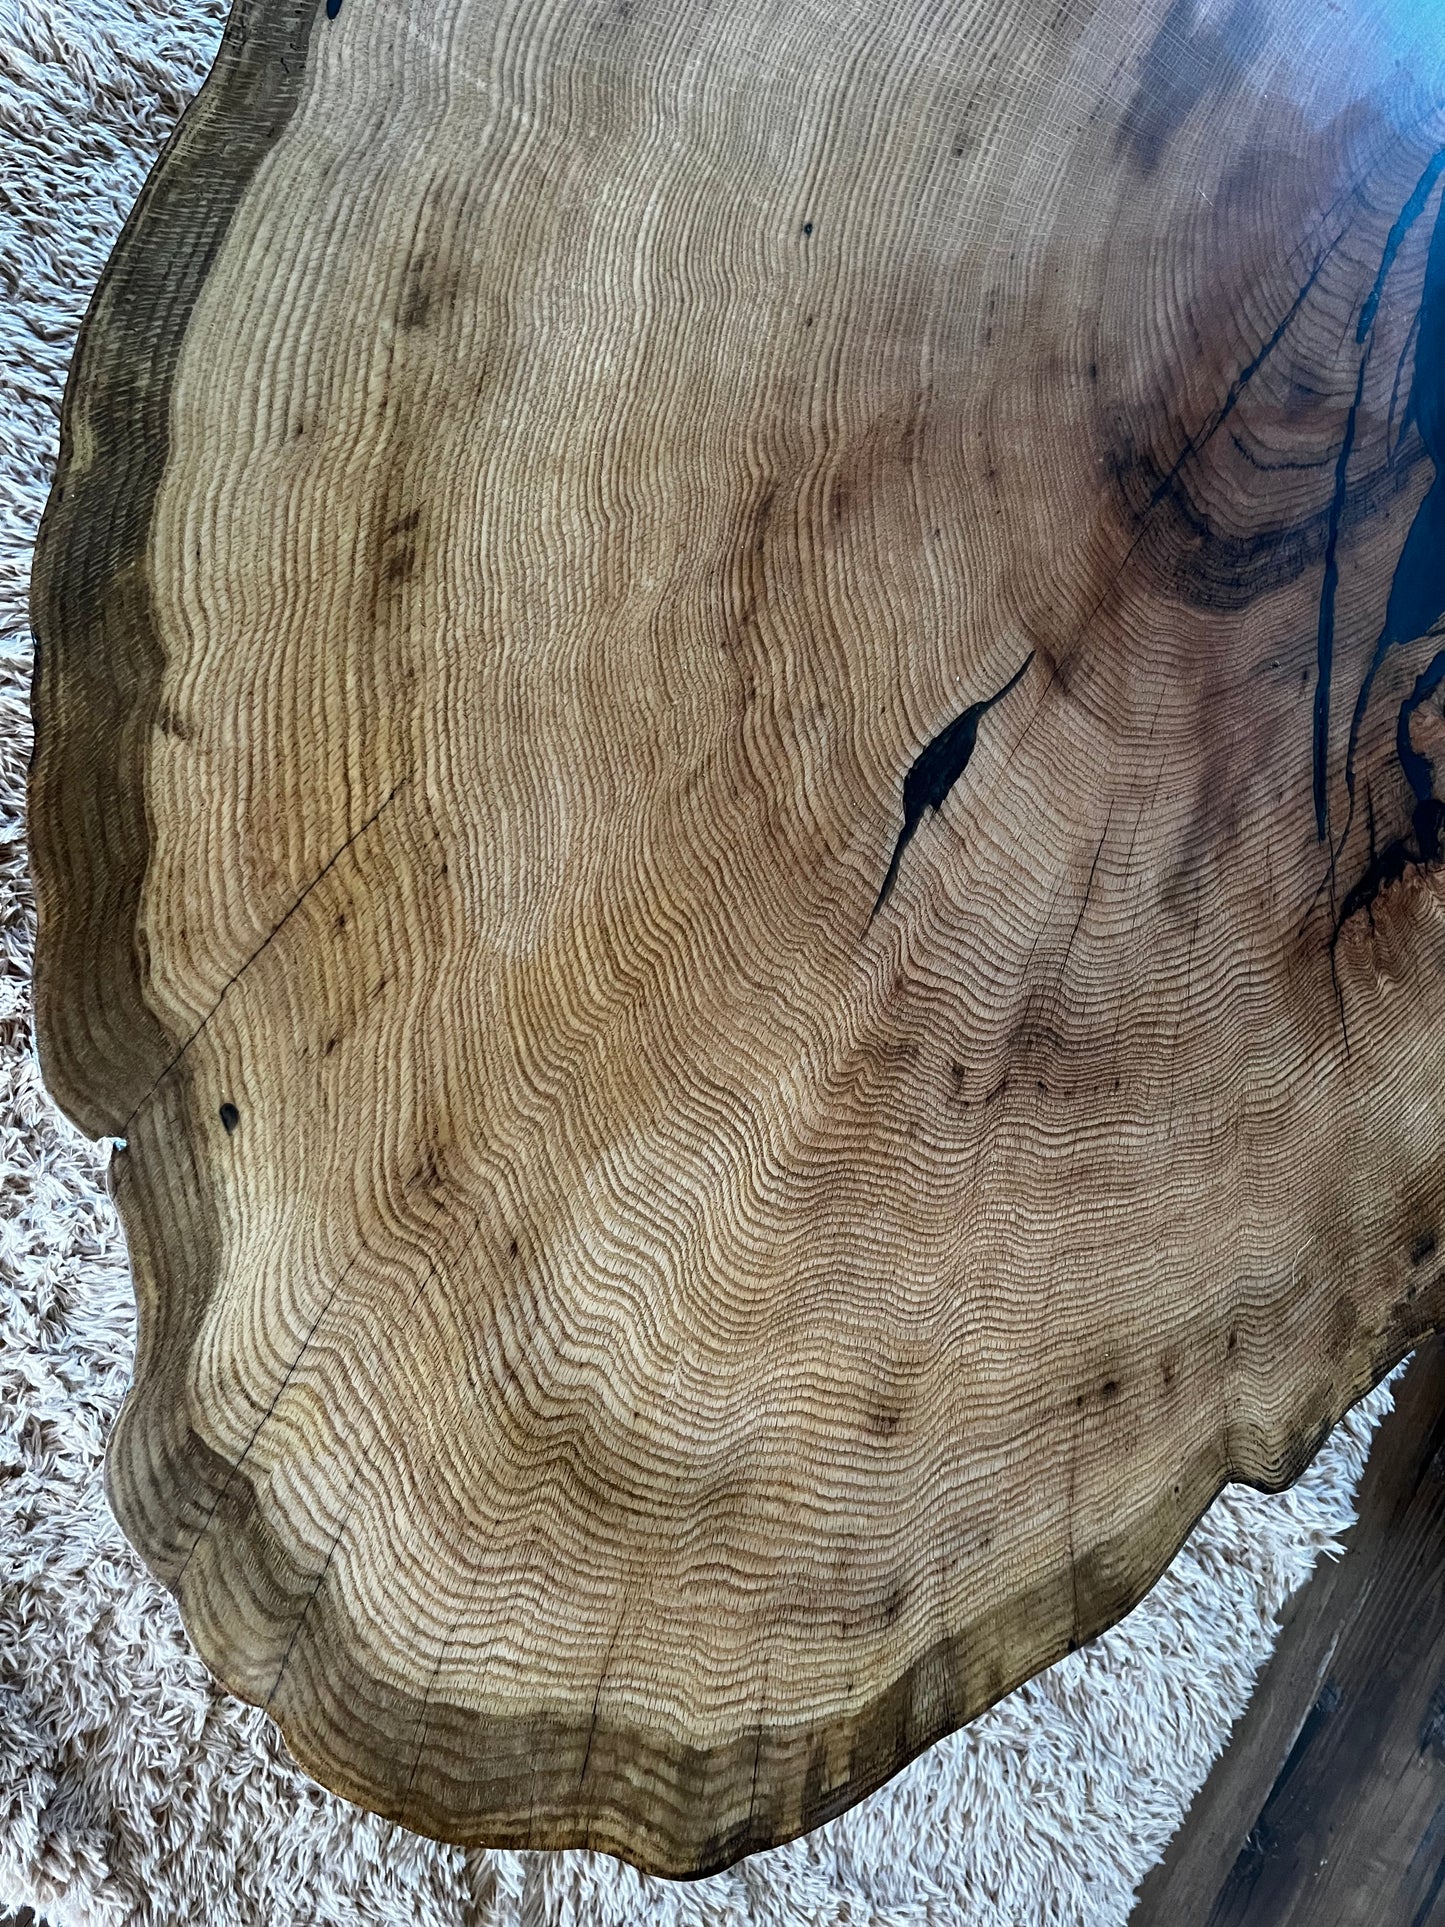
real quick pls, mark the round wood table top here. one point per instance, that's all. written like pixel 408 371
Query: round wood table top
pixel 736 801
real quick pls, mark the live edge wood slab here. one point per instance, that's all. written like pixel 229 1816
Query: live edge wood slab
pixel 735 800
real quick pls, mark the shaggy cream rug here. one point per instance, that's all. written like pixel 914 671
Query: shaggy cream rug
pixel 131 1789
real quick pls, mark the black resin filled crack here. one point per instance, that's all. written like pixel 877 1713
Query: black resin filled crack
pixel 936 769
pixel 1416 602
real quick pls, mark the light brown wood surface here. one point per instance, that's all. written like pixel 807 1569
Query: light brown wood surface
pixel 673 1271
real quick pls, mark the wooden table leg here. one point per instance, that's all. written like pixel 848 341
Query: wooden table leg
pixel 1328 1805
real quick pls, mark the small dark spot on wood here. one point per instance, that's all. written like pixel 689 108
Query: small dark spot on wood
pixel 809 322
pixel 1109 1388
pixel 513 1247
pixel 341 920
pixel 405 524
pixel 884 1421
pixel 425 1173
pixel 230 1116
pixel 333 7
pixel 1169 1367
pixel 1424 1248
pixel 1233 1341
pixel 1432 1727
pixel 807 227
pixel 400 565
pixel 761 516
pixel 1259 1844
pixel 1093 371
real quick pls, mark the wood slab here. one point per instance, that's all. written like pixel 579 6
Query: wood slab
pixel 735 802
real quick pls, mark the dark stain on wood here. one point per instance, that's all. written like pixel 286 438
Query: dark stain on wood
pixel 1186 60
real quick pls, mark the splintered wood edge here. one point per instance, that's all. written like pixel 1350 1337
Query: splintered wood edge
pixel 668 1807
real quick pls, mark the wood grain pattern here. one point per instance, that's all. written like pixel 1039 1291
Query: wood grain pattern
pixel 735 801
